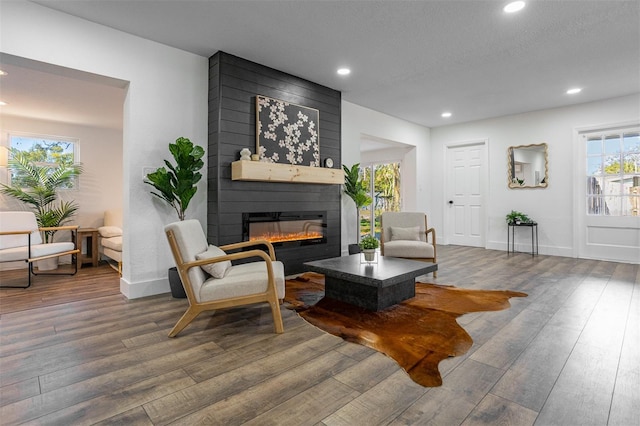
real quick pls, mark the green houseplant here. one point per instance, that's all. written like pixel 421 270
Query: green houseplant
pixel 516 217
pixel 38 188
pixel 369 244
pixel 355 189
pixel 176 184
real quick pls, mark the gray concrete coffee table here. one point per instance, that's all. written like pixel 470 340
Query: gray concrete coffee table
pixel 371 286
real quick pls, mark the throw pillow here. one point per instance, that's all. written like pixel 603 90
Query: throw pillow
pixel 411 234
pixel 217 269
pixel 109 231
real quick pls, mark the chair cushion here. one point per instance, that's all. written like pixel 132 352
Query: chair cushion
pixel 37 250
pixel 114 243
pixel 115 255
pixel 410 234
pixel 218 269
pixel 109 231
pixel 190 238
pixel 191 241
pixel 18 221
pixel 408 249
pixel 241 280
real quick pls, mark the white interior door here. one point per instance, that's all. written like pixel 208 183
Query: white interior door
pixel 464 213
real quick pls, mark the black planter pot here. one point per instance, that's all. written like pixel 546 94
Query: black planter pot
pixel 354 249
pixel 177 290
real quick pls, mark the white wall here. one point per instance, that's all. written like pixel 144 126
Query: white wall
pixel 552 207
pixel 100 150
pixel 357 122
pixel 167 98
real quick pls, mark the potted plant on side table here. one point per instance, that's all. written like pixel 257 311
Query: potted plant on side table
pixel 516 218
pixel 176 185
pixel 369 244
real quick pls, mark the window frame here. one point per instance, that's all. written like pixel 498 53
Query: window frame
pixel 601 199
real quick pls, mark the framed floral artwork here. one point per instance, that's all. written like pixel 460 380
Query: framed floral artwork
pixel 287 133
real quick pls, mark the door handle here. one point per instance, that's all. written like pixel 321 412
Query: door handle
pixel 450 201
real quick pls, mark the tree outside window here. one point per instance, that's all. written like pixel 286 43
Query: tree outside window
pixel 383 183
pixel 44 151
pixel 613 173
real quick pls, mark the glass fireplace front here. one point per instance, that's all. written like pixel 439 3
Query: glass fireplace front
pixel 285 228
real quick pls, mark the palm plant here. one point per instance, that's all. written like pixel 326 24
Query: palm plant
pixel 355 189
pixel 38 187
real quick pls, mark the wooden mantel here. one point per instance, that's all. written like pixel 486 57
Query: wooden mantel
pixel 276 172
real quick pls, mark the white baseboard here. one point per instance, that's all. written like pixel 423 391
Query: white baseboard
pixel 526 248
pixel 144 288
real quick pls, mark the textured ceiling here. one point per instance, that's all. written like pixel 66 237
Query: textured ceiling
pixel 409 59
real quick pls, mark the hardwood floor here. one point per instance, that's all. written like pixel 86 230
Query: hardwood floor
pixel 75 351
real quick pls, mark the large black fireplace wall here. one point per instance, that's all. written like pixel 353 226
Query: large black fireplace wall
pixel 233 86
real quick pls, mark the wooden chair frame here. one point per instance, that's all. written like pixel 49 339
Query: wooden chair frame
pixel 30 260
pixel 195 308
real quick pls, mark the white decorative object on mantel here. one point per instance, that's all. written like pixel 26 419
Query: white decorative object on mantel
pixel 245 154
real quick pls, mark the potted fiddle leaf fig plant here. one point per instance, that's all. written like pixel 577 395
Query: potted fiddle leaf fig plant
pixel 354 187
pixel 176 184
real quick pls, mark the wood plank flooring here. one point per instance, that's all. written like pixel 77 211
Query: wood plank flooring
pixel 74 351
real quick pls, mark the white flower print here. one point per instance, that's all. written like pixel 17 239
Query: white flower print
pixel 287 132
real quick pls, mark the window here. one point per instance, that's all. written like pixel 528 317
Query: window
pixel 44 151
pixel 383 181
pixel 613 173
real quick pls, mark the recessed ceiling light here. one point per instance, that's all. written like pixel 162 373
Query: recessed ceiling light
pixel 2 72
pixel 2 103
pixel 574 91
pixel 446 114
pixel 514 6
pixel 344 71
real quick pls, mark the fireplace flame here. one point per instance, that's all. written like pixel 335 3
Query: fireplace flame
pixel 275 237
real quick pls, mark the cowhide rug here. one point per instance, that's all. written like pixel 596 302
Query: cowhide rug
pixel 417 333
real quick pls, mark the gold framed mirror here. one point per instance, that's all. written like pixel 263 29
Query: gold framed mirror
pixel 528 166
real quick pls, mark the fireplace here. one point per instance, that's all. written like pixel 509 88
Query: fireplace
pixel 286 229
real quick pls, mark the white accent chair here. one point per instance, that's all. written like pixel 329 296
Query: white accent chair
pixel 20 240
pixel 406 235
pixel 223 285
pixel 111 236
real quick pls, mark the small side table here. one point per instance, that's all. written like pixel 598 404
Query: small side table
pixel 91 256
pixel 511 236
